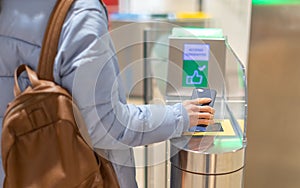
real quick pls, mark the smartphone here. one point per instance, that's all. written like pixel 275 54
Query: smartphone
pixel 205 93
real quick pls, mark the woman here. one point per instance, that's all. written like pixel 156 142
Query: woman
pixel 87 67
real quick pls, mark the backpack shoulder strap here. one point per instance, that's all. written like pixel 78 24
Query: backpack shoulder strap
pixel 51 39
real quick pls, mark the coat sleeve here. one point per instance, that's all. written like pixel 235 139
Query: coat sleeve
pixel 87 66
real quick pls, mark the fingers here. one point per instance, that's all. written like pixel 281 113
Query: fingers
pixel 199 115
pixel 204 118
pixel 200 101
pixel 206 109
pixel 207 116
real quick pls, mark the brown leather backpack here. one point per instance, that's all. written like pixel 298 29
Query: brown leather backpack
pixel 44 139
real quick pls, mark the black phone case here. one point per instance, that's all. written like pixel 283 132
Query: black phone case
pixel 205 93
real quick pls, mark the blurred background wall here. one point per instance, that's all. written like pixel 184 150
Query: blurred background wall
pixel 273 152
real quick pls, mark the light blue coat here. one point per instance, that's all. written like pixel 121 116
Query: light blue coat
pixel 86 65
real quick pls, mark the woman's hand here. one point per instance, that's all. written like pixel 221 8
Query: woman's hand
pixel 203 115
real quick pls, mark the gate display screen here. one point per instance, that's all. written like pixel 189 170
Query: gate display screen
pixel 195 65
